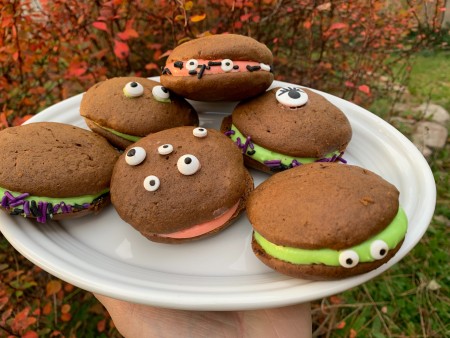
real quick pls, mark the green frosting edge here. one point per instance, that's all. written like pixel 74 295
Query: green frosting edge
pixel 55 200
pixel 392 235
pixel 262 154
pixel 127 137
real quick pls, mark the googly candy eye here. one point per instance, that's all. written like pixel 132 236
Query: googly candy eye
pixel 226 65
pixel 348 258
pixel 379 249
pixel 192 64
pixel 151 183
pixel 291 96
pixel 188 164
pixel 135 156
pixel 165 149
pixel 200 132
pixel 133 89
pixel 161 93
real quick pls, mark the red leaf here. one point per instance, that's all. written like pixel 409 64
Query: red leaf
pixel 30 334
pixel 365 89
pixel 101 325
pixel 128 33
pixel 198 18
pixel 121 49
pixel 338 25
pixel 100 25
pixel 53 287
pixel 245 17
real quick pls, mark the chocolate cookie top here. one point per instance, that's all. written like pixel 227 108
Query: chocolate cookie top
pixel 311 128
pixel 322 205
pixel 177 178
pixel 55 160
pixel 223 46
pixel 132 105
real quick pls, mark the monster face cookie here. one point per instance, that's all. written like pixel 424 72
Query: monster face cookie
pixel 124 109
pixel 54 171
pixel 288 126
pixel 325 221
pixel 180 184
pixel 224 67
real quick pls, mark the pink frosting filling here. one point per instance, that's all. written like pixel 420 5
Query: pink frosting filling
pixel 203 228
pixel 212 70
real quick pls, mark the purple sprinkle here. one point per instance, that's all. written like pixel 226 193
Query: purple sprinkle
pixel 20 197
pixel 44 212
pixel 26 208
pixel 69 208
pixel 56 208
pixel 86 205
pixel 230 132
pixel 5 201
pixel 295 163
pixel 16 203
pixel 238 142
pixel 9 195
pixel 272 163
pixel 64 208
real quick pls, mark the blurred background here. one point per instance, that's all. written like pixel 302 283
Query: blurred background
pixel 390 57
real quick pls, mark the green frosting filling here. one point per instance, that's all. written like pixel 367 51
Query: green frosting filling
pixel 262 154
pixel 55 200
pixel 131 138
pixel 391 235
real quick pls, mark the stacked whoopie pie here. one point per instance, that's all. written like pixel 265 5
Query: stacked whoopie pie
pixel 315 217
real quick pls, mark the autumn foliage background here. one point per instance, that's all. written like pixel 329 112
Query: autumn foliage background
pixel 51 50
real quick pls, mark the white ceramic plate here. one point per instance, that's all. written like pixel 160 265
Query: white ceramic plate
pixel 105 255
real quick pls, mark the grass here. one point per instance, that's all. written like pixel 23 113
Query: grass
pixel 409 300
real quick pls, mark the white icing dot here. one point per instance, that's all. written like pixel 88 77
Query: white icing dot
pixel 160 93
pixel 165 149
pixel 291 96
pixel 192 64
pixel 200 132
pixel 348 258
pixel 188 164
pixel 133 89
pixel 135 156
pixel 379 249
pixel 227 65
pixel 151 183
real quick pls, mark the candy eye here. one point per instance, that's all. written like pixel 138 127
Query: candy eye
pixel 188 164
pixel 379 249
pixel 133 89
pixel 291 96
pixel 227 65
pixel 135 156
pixel 200 132
pixel 165 149
pixel 160 93
pixel 151 183
pixel 348 258
pixel 192 64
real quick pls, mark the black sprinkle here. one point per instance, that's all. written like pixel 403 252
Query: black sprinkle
pixel 16 211
pixel 178 64
pixel 214 63
pixel 251 152
pixel 166 71
pixel 193 72
pixel 253 68
pixel 78 206
pixel 50 209
pixel 202 70
pixel 235 67
pixel 100 197
pixel 34 209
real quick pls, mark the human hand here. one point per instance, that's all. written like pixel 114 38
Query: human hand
pixel 142 321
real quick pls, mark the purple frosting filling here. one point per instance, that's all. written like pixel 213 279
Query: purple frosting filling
pixel 44 210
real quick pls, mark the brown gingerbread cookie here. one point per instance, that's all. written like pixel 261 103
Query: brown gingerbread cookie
pixel 326 221
pixel 124 109
pixel 180 184
pixel 224 67
pixel 287 126
pixel 54 171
